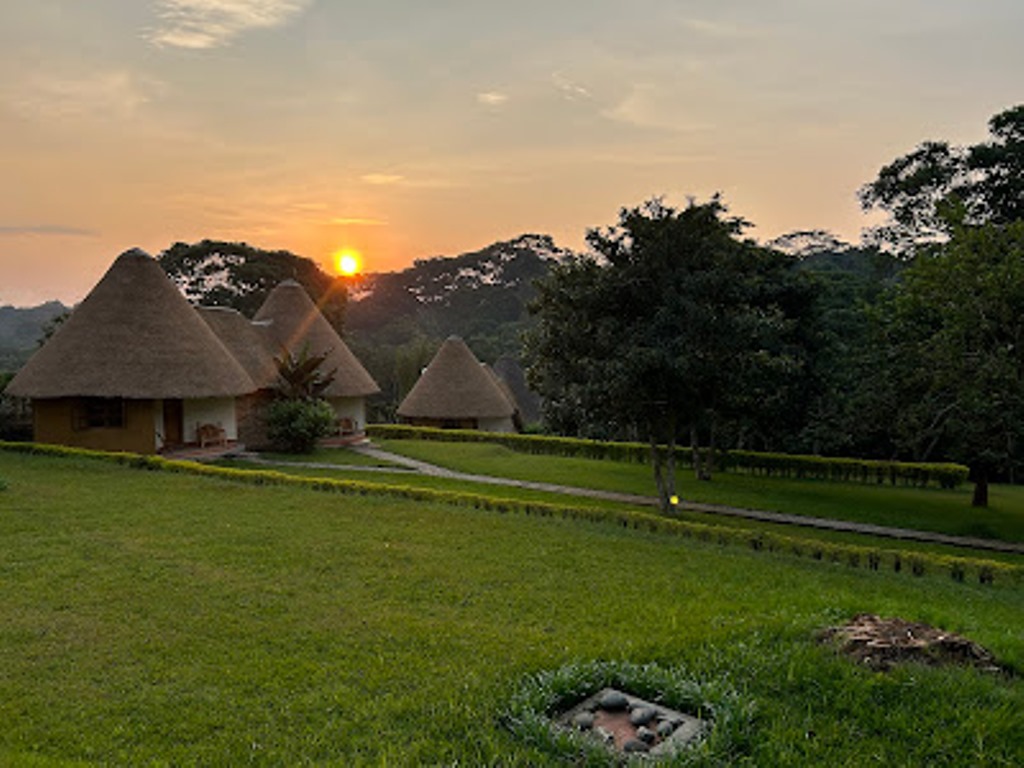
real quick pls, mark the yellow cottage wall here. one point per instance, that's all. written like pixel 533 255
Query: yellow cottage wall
pixel 54 422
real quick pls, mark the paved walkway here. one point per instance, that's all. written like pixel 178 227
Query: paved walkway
pixel 404 463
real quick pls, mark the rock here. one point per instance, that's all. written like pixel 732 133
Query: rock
pixel 666 728
pixel 613 701
pixel 642 715
pixel 635 745
pixel 584 720
pixel 645 734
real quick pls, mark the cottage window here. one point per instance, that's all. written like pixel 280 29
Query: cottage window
pixel 100 412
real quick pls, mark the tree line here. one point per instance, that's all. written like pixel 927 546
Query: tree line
pixel 675 327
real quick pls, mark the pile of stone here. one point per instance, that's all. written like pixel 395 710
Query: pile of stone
pixel 628 724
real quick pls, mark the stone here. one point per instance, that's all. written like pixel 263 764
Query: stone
pixel 666 728
pixel 645 734
pixel 635 745
pixel 584 720
pixel 642 715
pixel 613 701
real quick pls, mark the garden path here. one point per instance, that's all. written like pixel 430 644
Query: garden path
pixel 415 465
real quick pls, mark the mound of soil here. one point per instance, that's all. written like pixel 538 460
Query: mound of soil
pixel 881 643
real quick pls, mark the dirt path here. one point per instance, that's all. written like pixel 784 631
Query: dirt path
pixel 414 465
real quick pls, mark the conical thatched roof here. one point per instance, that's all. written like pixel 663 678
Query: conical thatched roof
pixel 250 343
pixel 455 386
pixel 134 336
pixel 295 321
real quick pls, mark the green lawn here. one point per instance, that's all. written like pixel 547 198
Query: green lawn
pixel 411 479
pixel 150 617
pixel 926 509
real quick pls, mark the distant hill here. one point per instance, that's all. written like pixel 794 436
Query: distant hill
pixel 395 321
pixel 20 331
pixel 472 295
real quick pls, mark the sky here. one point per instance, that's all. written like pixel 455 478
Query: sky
pixel 406 129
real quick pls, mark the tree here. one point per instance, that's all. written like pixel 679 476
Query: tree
pixel 986 179
pixel 299 416
pixel 841 372
pixel 216 273
pixel 953 333
pixel 299 376
pixel 671 324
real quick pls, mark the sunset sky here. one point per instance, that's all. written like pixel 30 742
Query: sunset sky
pixel 411 128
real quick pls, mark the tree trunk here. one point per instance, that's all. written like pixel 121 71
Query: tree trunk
pixel 980 498
pixel 698 467
pixel 659 477
pixel 712 459
pixel 671 470
pixel 664 465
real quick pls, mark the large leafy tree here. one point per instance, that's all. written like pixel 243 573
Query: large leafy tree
pixel 217 273
pixel 985 179
pixel 670 325
pixel 842 371
pixel 952 336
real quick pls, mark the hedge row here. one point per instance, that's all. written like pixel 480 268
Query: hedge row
pixel 769 464
pixel 872 558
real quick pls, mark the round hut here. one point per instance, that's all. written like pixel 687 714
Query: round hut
pixel 134 368
pixel 295 323
pixel 456 392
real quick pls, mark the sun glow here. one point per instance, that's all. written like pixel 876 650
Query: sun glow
pixel 347 262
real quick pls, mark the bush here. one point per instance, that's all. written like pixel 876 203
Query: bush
pixel 294 426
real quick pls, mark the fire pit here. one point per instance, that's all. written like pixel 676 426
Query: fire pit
pixel 629 724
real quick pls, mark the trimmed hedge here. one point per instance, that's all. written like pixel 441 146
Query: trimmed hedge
pixel 768 464
pixel 872 558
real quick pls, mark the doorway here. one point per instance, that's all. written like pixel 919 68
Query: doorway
pixel 174 423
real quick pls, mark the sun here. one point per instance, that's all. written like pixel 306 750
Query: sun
pixel 347 262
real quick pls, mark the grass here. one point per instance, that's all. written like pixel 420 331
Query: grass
pixel 411 479
pixel 926 509
pixel 174 619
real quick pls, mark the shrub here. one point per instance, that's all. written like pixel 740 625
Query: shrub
pixel 294 426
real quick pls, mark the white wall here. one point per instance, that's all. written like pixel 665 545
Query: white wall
pixel 158 423
pixel 214 410
pixel 351 408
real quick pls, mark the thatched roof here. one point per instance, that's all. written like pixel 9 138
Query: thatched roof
pixel 250 343
pixel 455 386
pixel 134 336
pixel 295 321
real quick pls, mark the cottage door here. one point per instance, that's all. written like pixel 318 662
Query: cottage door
pixel 174 423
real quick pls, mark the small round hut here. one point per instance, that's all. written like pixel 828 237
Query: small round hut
pixel 457 392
